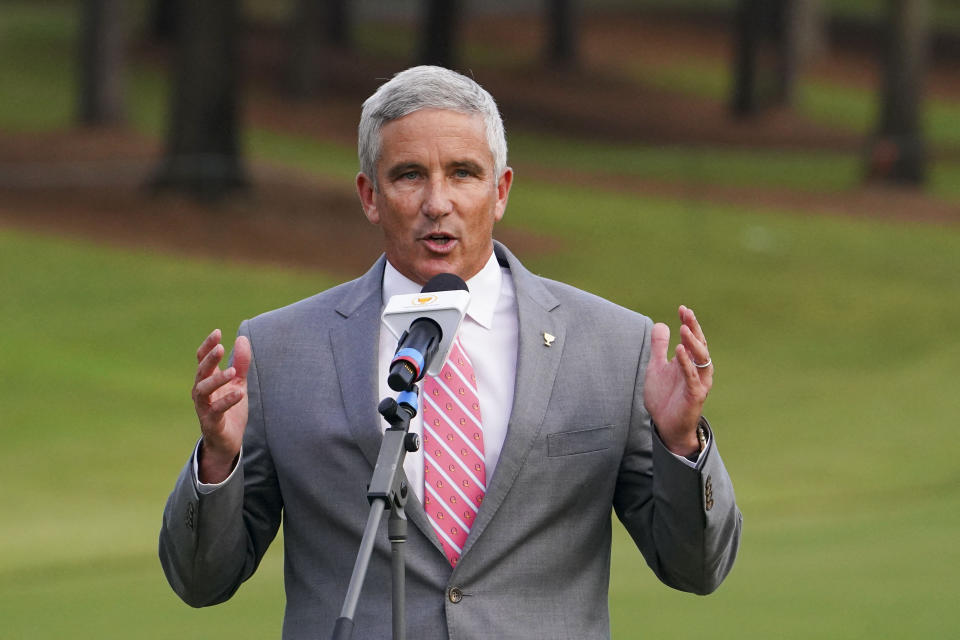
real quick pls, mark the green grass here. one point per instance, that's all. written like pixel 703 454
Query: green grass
pixel 804 171
pixel 97 359
pixel 326 158
pixel 830 103
pixel 944 13
pixel 36 47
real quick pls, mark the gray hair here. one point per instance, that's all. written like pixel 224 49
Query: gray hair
pixel 427 87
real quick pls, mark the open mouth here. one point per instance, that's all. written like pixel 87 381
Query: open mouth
pixel 439 241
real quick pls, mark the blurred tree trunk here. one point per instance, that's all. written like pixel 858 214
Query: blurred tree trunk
pixel 774 39
pixel 102 43
pixel 202 155
pixel 338 23
pixel 305 24
pixel 439 32
pixel 897 152
pixel 754 74
pixel 803 38
pixel 313 23
pixel 561 46
pixel 164 17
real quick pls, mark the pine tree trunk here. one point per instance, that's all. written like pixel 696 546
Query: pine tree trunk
pixel 774 40
pixel 439 32
pixel 102 42
pixel 202 153
pixel 897 153
pixel 305 24
pixel 561 49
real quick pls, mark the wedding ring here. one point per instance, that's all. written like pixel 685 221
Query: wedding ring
pixel 704 365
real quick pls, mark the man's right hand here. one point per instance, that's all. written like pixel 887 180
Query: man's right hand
pixel 220 398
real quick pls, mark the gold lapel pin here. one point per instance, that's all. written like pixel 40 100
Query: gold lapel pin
pixel 548 339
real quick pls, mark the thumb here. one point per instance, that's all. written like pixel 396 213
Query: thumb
pixel 242 356
pixel 659 341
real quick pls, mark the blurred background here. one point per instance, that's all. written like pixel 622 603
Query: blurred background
pixel 789 168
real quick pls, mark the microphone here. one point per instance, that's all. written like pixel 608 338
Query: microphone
pixel 425 325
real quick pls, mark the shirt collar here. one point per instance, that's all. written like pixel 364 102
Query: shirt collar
pixel 484 289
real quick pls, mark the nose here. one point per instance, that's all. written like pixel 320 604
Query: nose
pixel 436 201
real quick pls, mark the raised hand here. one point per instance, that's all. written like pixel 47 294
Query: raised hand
pixel 675 390
pixel 220 399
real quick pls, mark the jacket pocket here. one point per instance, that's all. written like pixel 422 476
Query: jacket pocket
pixel 569 443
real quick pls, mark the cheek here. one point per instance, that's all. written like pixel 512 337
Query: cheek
pixel 401 205
pixel 399 225
pixel 388 209
pixel 487 214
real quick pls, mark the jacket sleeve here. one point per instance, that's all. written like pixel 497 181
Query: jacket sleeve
pixel 684 520
pixel 211 543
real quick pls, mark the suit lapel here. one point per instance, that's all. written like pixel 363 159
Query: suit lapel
pixel 354 345
pixel 355 356
pixel 537 366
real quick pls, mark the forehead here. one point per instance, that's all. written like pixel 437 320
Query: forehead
pixel 438 133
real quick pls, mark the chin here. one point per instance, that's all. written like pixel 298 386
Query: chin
pixel 431 273
pixel 436 267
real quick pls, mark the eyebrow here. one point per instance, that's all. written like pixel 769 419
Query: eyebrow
pixel 469 165
pixel 399 169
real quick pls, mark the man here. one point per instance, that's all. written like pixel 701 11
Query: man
pixel 568 406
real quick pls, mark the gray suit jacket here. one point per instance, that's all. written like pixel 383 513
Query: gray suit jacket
pixel 536 564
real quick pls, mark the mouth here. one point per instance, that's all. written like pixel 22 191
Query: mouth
pixel 439 242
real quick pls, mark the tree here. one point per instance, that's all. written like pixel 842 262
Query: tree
pixel 313 23
pixel 439 31
pixel 774 39
pixel 202 155
pixel 803 37
pixel 338 23
pixel 163 18
pixel 102 43
pixel 561 45
pixel 897 152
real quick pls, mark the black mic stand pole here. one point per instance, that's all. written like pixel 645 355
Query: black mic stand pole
pixel 388 489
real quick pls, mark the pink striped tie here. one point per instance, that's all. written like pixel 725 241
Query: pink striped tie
pixel 454 475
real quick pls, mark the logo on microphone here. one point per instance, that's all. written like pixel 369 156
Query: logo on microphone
pixel 423 300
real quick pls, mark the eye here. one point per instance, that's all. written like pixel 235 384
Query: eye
pixel 461 173
pixel 410 175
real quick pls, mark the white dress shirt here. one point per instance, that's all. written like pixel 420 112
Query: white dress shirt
pixel 489 336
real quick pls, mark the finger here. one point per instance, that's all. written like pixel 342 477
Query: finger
pixel 210 362
pixel 697 349
pixel 227 400
pixel 659 341
pixel 206 387
pixel 242 356
pixel 689 319
pixel 689 370
pixel 208 343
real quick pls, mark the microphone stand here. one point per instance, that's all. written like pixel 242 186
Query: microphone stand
pixel 388 490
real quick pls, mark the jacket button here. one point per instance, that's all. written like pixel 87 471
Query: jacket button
pixel 455 594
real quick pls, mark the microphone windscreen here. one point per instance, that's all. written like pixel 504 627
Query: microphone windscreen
pixel 444 282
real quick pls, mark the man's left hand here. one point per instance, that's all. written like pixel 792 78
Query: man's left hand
pixel 675 390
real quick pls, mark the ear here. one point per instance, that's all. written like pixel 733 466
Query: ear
pixel 368 201
pixel 503 192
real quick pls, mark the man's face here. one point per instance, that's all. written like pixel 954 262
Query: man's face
pixel 438 195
